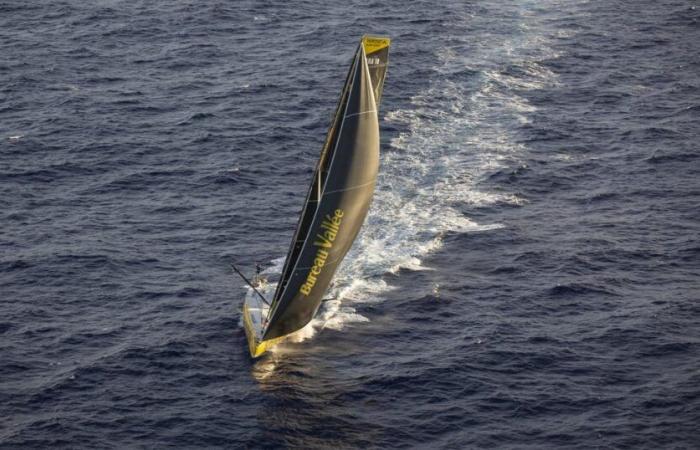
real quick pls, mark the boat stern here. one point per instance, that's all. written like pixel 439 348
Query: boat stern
pixel 251 333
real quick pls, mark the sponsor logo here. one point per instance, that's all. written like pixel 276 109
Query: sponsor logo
pixel 330 226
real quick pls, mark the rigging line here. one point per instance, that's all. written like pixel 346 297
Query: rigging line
pixel 320 169
pixel 360 113
pixel 357 186
pixel 250 284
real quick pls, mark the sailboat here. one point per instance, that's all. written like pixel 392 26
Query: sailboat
pixel 336 204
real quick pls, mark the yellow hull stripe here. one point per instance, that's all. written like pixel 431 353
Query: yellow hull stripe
pixel 256 347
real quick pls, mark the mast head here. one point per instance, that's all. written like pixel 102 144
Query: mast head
pixel 376 49
pixel 373 43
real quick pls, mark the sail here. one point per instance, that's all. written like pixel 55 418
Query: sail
pixel 339 195
pixel 314 193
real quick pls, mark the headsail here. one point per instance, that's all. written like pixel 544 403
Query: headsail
pixel 314 194
pixel 338 198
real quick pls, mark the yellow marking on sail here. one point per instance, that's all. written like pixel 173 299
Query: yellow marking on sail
pixel 374 43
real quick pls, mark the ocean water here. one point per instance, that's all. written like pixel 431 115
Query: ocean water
pixel 528 275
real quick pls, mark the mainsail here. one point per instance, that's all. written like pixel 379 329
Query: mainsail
pixel 337 201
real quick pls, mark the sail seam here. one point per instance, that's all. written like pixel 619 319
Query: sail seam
pixel 327 263
pixel 360 113
pixel 357 186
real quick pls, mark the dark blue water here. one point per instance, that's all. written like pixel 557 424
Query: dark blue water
pixel 528 277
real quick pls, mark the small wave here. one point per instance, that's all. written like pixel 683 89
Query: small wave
pixel 12 265
pixel 669 349
pixel 5 327
pixel 576 289
pixel 660 157
pixel 197 117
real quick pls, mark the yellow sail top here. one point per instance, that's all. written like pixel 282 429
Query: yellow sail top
pixel 374 43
